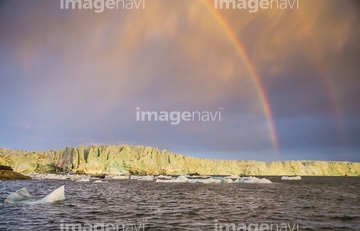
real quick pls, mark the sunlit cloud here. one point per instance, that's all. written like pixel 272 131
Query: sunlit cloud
pixel 82 74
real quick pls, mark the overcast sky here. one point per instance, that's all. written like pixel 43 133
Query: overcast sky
pixel 76 77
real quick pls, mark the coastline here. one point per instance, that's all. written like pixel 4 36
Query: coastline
pixel 140 160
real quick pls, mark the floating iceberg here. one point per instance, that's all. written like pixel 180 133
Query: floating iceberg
pixel 179 179
pixel 232 177
pixel 100 181
pixel 252 180
pixel 255 180
pixel 165 181
pixel 200 180
pixel 163 177
pixel 211 180
pixel 82 180
pixel 291 178
pixel 146 178
pixel 120 177
pixel 182 179
pixel 222 180
pixel 55 177
pixel 23 196
pixel 196 177
pixel 49 176
pixel 239 180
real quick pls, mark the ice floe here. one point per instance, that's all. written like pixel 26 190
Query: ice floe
pixel 146 178
pixel 134 177
pixel 182 179
pixel 291 178
pixel 166 181
pixel 49 176
pixel 120 177
pixel 210 180
pixel 232 177
pixel 161 178
pixel 82 180
pixel 215 180
pixel 23 196
pixel 255 180
pixel 179 179
pixel 100 181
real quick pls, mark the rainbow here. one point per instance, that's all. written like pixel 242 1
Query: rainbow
pixel 330 89
pixel 252 71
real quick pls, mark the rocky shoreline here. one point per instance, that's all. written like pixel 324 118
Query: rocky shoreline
pixel 7 173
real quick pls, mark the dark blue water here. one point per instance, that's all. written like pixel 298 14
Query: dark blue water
pixel 314 203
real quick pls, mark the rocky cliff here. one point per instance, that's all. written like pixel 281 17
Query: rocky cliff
pixel 7 173
pixel 126 159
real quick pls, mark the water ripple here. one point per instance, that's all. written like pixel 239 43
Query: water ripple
pixel 314 203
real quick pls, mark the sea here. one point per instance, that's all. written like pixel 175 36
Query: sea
pixel 313 203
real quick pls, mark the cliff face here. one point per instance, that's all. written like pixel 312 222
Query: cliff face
pixel 149 160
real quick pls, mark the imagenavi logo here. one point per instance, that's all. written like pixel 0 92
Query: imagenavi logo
pixel 254 5
pixel 100 5
pixel 176 117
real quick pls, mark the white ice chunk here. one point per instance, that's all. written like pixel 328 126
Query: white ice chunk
pixel 100 181
pixel 55 177
pixel 83 180
pixel 291 178
pixel 179 179
pixel 222 180
pixel 134 177
pixel 18 196
pixel 146 178
pixel 163 177
pixel 23 196
pixel 239 180
pixel 206 181
pixel 182 179
pixel 120 177
pixel 165 181
pixel 255 180
pixel 232 177
pixel 57 195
